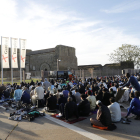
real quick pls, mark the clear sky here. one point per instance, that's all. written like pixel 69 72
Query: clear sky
pixel 94 27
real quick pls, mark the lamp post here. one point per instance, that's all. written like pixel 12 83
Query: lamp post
pixel 58 64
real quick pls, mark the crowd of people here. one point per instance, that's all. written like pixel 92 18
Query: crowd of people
pixel 80 97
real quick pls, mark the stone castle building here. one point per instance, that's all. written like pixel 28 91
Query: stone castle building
pixel 47 59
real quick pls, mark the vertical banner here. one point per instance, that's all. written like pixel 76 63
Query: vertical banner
pixel 14 44
pixel 23 52
pixel 5 52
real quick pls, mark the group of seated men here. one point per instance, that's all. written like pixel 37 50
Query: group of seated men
pixel 78 101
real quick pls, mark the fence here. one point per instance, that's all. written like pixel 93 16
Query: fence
pixel 38 75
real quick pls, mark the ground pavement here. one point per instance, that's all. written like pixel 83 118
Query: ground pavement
pixel 48 128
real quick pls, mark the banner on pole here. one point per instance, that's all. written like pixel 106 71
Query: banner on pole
pixel 5 52
pixel 23 52
pixel 14 53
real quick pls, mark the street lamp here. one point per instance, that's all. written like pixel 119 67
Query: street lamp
pixel 58 64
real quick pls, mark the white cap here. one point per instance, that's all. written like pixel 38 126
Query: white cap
pixel 97 102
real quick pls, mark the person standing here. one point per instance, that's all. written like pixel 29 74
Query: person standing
pixel 46 84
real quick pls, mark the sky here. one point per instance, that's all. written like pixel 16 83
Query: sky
pixel 94 27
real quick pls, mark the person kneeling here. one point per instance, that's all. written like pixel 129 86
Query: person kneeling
pixel 103 118
pixel 70 109
pixel 134 105
pixel 51 102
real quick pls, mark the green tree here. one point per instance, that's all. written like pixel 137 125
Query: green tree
pixel 126 53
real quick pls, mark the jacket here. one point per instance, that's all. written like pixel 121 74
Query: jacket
pixel 62 100
pixel 25 97
pixel 46 84
pixel 82 90
pixel 92 101
pixel 84 107
pixel 51 103
pixel 105 98
pixel 39 92
pixel 104 116
pixel 70 110
pixel 17 94
pixel 134 105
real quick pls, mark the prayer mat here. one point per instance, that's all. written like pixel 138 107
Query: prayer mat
pixel 125 113
pixel 110 128
pixel 99 127
pixel 71 121
pixel 123 105
pixel 119 94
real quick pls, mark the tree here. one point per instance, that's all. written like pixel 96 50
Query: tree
pixel 126 53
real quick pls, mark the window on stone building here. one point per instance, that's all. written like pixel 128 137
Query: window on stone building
pixel 33 67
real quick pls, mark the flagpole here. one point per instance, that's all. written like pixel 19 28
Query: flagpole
pixel 1 63
pixel 11 62
pixel 20 61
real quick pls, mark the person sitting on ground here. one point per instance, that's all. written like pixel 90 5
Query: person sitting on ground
pixel 70 109
pixel 106 97
pixel 1 90
pixel 98 95
pixel 92 100
pixel 77 96
pixel 65 92
pixel 6 94
pixel 25 98
pixel 81 89
pixel 26 89
pixel 134 105
pixel 112 93
pixel 12 93
pixel 72 96
pixel 61 102
pixel 17 94
pixel 84 106
pixel 47 93
pixel 125 96
pixel 32 91
pixel 113 87
pixel 38 94
pixel 115 110
pixel 96 87
pixel 51 102
pixel 103 118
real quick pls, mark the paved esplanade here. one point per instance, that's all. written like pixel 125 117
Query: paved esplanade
pixel 48 128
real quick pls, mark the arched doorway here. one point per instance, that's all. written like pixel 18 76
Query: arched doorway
pixel 45 67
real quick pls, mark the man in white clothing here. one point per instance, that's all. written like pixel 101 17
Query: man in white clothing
pixel 115 110
pixel 38 93
pixel 92 100
pixel 113 87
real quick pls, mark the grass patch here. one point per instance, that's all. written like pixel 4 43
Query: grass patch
pixel 7 81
